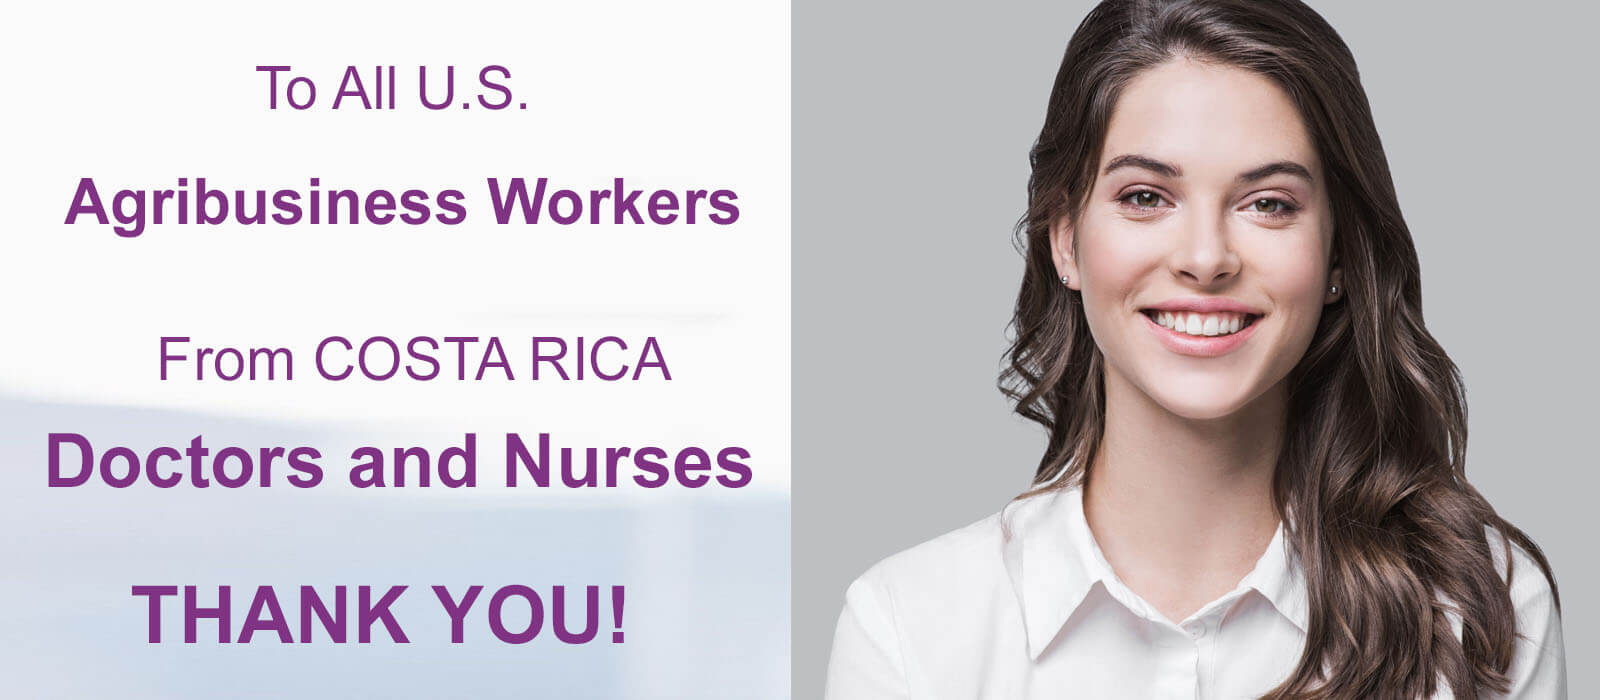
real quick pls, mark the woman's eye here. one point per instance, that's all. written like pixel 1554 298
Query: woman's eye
pixel 1143 199
pixel 1272 207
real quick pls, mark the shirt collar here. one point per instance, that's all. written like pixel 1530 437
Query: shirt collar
pixel 1053 562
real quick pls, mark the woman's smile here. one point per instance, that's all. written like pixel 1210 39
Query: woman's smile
pixel 1201 335
pixel 1201 326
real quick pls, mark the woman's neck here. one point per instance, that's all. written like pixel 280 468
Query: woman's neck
pixel 1182 508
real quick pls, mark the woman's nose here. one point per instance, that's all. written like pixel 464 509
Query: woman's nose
pixel 1204 254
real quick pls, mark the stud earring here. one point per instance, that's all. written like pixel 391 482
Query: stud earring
pixel 1064 279
pixel 1333 289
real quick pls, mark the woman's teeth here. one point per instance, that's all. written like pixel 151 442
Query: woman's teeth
pixel 1202 324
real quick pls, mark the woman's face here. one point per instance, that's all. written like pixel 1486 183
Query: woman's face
pixel 1209 210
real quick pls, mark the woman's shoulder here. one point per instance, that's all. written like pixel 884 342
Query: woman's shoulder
pixel 969 564
pixel 918 609
pixel 1538 665
pixel 967 555
pixel 1530 589
pixel 958 579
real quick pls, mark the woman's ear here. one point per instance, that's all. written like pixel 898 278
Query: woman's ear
pixel 1061 251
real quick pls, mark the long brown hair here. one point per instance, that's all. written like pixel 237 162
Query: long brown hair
pixel 1388 530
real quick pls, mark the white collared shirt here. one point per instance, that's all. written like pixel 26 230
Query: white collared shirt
pixel 971 614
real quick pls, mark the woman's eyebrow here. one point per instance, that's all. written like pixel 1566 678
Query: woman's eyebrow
pixel 1134 160
pixel 1287 167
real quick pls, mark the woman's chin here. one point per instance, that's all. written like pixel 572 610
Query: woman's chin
pixel 1197 403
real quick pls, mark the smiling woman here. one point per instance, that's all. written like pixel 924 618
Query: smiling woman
pixel 1254 482
pixel 1174 222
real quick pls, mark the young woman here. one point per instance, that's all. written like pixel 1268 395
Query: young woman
pixel 1254 481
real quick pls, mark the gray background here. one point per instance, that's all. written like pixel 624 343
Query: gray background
pixel 911 127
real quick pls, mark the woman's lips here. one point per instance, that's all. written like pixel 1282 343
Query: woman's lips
pixel 1200 345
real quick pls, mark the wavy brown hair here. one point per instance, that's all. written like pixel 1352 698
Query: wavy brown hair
pixel 1372 465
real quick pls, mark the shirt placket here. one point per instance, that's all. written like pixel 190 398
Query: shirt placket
pixel 1177 663
pixel 1202 635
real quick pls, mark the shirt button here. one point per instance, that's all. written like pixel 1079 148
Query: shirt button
pixel 1197 632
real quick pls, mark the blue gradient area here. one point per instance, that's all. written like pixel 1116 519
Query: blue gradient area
pixel 707 577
